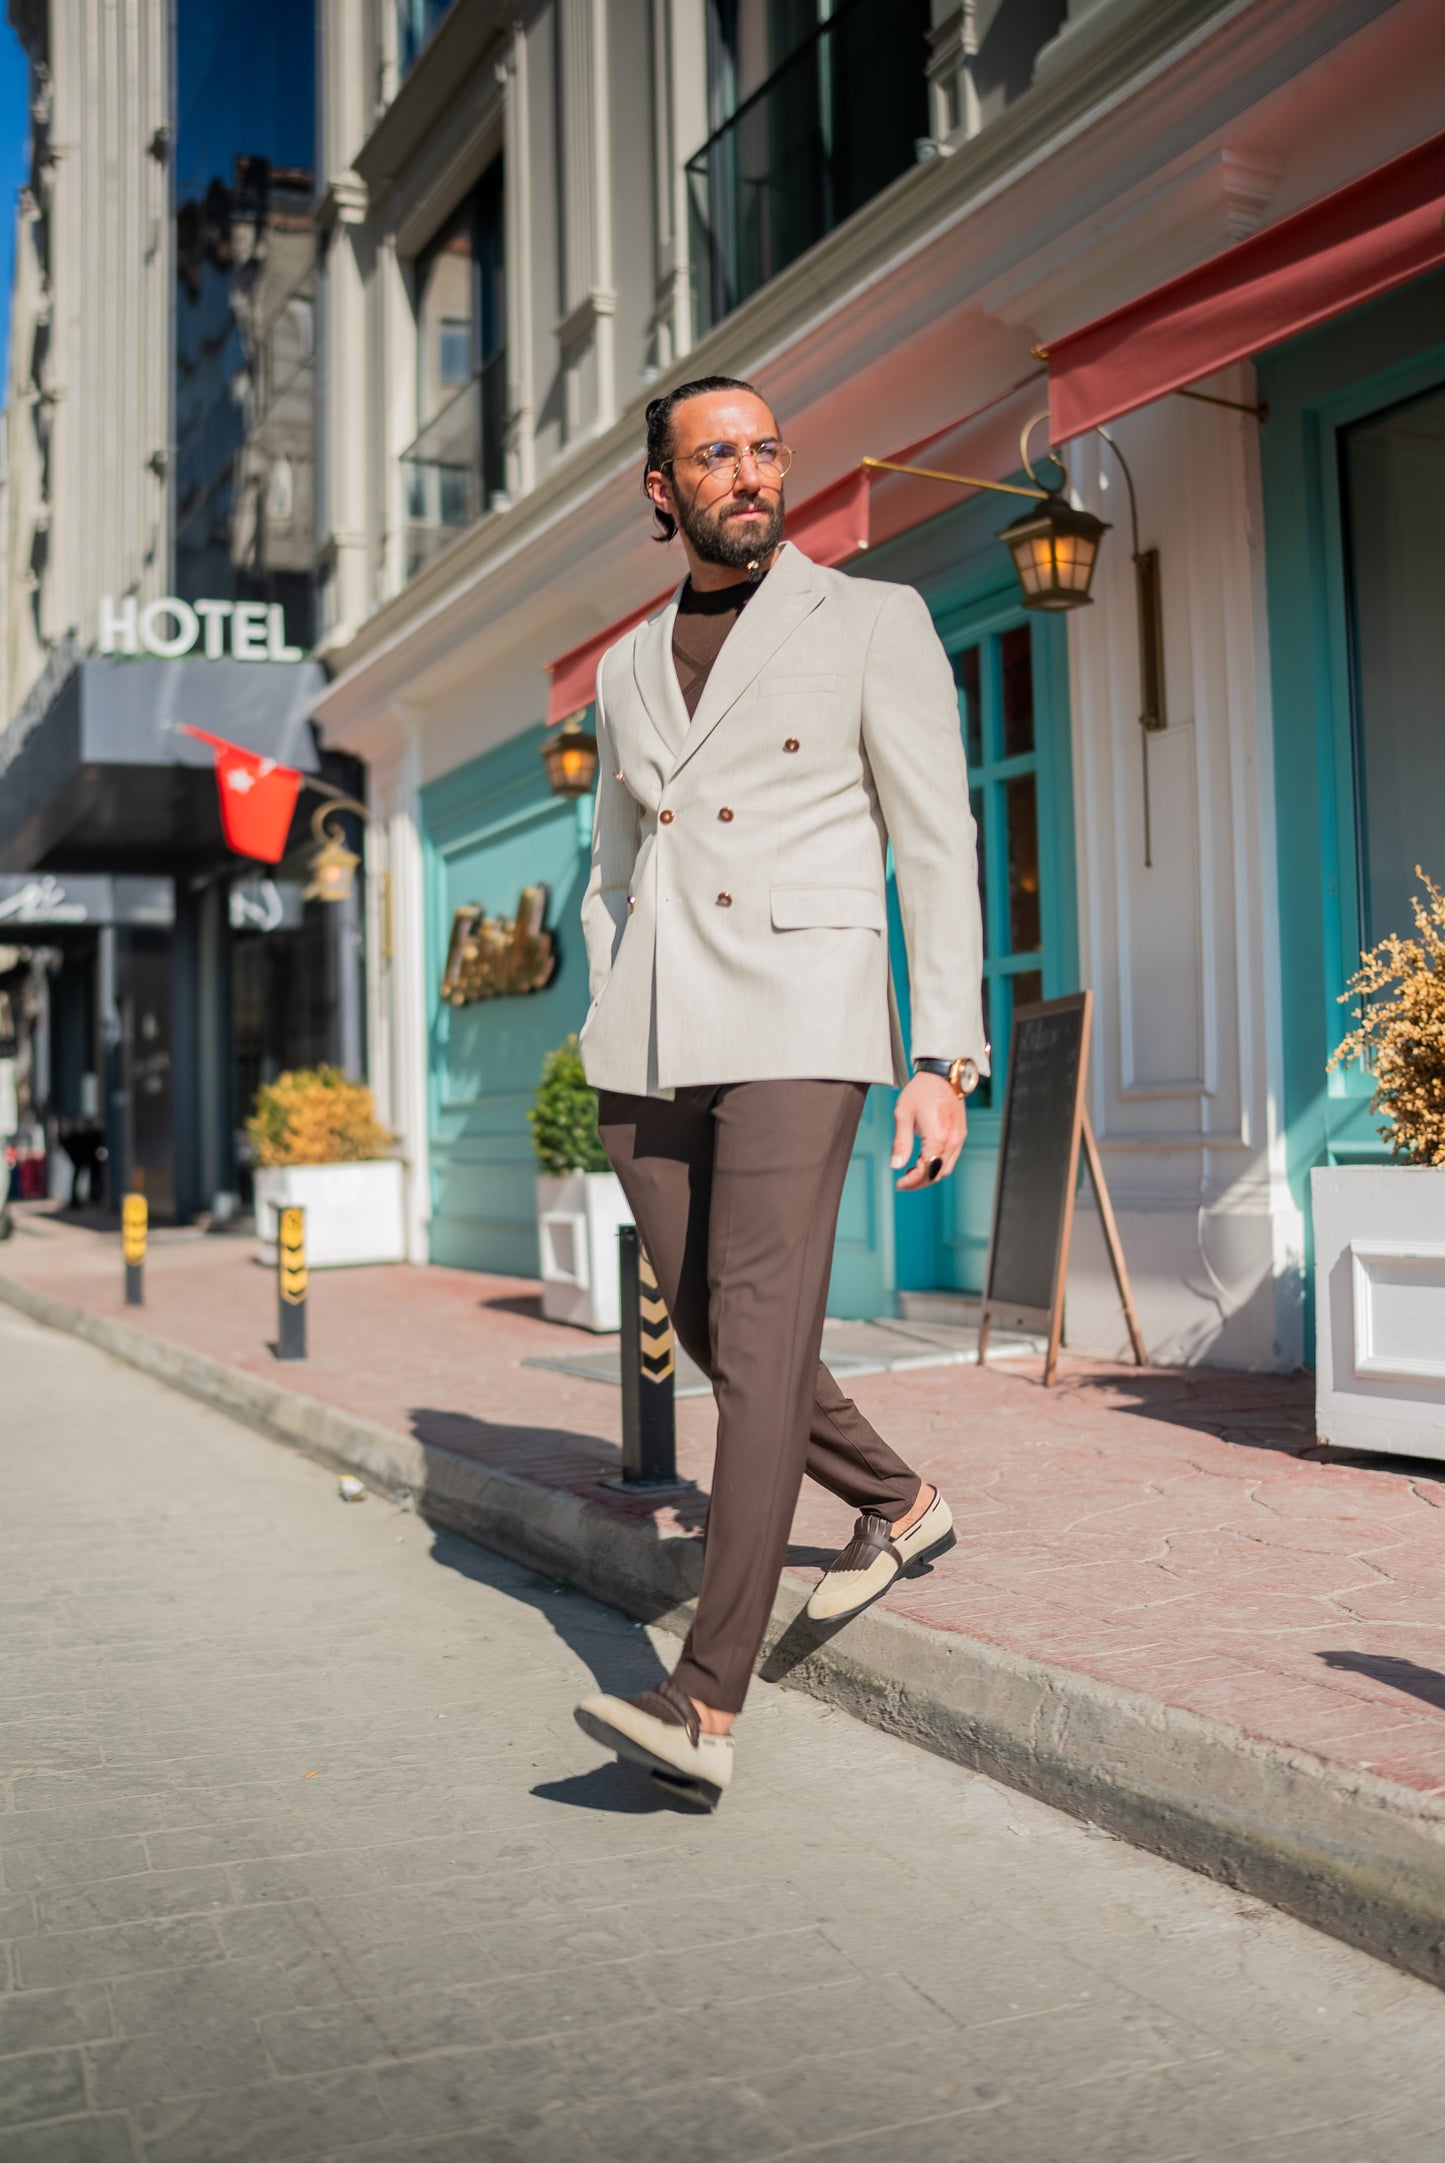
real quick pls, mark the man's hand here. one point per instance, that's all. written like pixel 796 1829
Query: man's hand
pixel 929 1109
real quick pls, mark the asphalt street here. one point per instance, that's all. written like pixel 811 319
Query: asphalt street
pixel 303 1856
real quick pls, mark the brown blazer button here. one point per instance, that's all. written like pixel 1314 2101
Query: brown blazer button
pixel 665 818
pixel 725 813
pixel 724 901
pixel 792 744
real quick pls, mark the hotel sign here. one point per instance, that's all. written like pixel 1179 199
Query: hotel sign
pixel 171 628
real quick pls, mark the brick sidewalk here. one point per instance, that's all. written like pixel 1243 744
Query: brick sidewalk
pixel 1163 1531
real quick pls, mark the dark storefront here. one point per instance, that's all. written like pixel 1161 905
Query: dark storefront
pixel 163 978
pixel 151 977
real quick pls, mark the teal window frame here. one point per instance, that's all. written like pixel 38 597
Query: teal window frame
pixel 1316 387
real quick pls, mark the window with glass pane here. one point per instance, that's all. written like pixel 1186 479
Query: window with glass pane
pixel 415 22
pixel 456 463
pixel 995 679
pixel 1394 483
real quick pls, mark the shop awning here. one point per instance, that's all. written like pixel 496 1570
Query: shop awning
pixel 1365 239
pixel 830 527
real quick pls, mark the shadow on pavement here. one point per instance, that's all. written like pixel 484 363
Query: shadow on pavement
pixel 1422 1682
pixel 1257 1411
pixel 621 1660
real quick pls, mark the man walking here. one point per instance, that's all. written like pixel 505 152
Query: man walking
pixel 763 738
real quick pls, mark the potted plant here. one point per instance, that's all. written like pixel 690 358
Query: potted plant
pixel 580 1203
pixel 1380 1228
pixel 317 1142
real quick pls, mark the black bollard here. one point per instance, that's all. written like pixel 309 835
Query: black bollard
pixel 649 1431
pixel 134 1222
pixel 291 1282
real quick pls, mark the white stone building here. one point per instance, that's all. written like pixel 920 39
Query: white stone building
pixel 537 216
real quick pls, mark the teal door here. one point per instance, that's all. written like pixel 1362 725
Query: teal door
pixel 1011 670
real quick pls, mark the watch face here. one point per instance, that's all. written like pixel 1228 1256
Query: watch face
pixel 964 1076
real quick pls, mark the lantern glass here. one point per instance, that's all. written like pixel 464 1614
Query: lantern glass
pixel 571 759
pixel 1054 549
pixel 333 873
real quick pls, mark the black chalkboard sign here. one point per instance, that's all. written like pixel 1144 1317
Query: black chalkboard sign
pixel 1044 1121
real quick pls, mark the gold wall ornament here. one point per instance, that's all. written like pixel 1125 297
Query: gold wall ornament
pixel 494 957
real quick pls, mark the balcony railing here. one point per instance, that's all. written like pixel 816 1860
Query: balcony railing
pixel 838 121
pixel 455 466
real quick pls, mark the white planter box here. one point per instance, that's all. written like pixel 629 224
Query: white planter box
pixel 577 1220
pixel 1380 1308
pixel 354 1212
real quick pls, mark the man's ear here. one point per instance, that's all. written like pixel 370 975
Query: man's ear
pixel 660 492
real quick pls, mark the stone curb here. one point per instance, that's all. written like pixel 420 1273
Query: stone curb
pixel 1350 1853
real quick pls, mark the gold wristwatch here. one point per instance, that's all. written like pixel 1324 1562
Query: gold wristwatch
pixel 960 1074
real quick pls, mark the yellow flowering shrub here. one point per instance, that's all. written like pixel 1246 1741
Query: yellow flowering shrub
pixel 316 1116
pixel 1400 1030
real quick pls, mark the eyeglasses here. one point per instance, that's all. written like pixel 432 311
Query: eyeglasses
pixel 771 458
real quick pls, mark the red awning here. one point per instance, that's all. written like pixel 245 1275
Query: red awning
pixel 830 527
pixel 1362 241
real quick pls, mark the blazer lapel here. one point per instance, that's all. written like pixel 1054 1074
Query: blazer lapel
pixel 785 597
pixel 655 674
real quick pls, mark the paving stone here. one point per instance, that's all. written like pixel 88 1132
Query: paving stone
pixel 42 2084
pixel 30 1865
pixel 265 2123
pixel 320 2038
pixel 195 2059
pixel 135 1899
pixel 30 2019
pixel 128 1949
pixel 73 2140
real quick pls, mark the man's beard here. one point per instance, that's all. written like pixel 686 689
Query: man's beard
pixel 718 538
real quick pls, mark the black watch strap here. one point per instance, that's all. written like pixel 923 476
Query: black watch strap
pixel 933 1066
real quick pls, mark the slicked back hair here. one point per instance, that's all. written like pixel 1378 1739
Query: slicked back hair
pixel 659 432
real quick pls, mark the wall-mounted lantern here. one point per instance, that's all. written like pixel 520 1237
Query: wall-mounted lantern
pixel 570 758
pixel 332 864
pixel 1054 550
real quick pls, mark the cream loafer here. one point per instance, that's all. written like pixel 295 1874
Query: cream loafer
pixel 660 1729
pixel 873 1558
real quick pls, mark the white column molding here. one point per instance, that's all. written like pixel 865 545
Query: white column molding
pixel 517 188
pixel 953 92
pixel 585 334
pixel 679 78
pixel 1186 1064
pixel 407 984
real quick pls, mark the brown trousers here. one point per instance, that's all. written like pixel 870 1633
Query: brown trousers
pixel 735 1190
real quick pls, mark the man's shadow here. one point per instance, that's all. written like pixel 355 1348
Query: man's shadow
pixel 615 1648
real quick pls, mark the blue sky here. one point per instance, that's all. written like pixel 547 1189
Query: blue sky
pixel 14 163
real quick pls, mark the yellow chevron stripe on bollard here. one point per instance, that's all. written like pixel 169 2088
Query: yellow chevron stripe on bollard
pixel 657 1361
pixel 134 1220
pixel 291 1238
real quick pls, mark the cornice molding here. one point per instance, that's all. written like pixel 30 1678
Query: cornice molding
pixel 1171 73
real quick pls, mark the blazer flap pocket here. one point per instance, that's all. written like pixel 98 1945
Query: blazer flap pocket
pixel 803 908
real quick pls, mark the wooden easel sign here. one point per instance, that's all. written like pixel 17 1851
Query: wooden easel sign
pixel 1044 1120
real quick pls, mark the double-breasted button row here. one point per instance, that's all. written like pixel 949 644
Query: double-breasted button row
pixel 665 818
pixel 792 744
pixel 724 901
pixel 725 814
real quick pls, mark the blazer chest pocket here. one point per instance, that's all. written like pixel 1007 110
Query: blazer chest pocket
pixel 840 908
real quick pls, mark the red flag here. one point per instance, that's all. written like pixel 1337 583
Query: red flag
pixel 257 798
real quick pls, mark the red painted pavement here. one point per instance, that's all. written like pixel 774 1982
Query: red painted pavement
pixel 1160 1530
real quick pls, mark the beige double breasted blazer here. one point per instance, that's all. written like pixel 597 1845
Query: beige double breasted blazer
pixel 736 916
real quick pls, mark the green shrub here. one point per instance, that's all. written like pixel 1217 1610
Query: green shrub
pixel 563 1117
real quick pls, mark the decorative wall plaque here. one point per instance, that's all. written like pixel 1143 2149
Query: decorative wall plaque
pixel 492 957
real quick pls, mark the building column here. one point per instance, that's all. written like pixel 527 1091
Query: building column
pixel 409 1000
pixel 585 333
